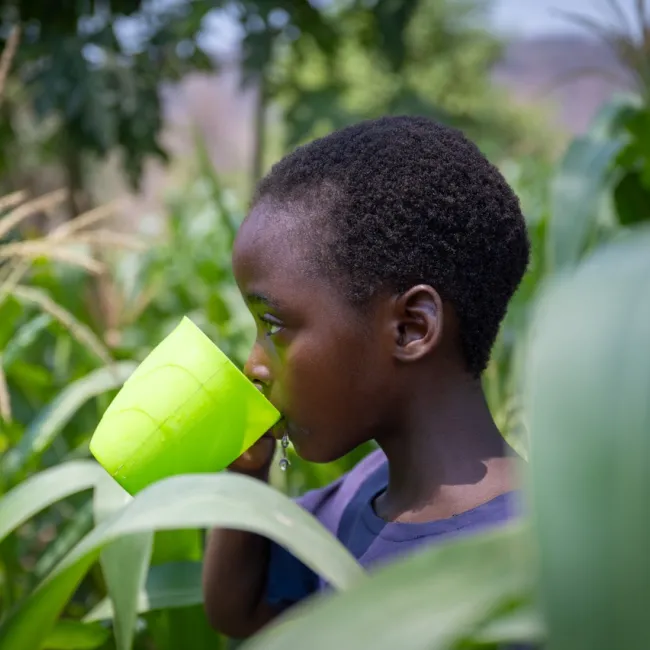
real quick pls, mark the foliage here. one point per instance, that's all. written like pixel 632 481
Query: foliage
pixel 27 307
pixel 93 74
pixel 582 203
pixel 629 41
pixel 88 81
pixel 434 58
pixel 226 500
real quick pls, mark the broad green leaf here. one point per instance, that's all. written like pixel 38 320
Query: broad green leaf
pixel 45 488
pixel 185 627
pixel 176 584
pixel 581 181
pixel 632 199
pixel 196 501
pixel 522 622
pixel 73 635
pixel 124 563
pixel 49 423
pixel 431 600
pixel 587 395
pixel 177 546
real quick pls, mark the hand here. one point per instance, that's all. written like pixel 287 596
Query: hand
pixel 256 461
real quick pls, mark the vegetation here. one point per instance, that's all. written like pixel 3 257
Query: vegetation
pixel 83 565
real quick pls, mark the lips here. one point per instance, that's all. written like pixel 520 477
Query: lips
pixel 281 427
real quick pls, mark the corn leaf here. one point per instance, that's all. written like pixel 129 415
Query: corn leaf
pixel 73 635
pixel 48 424
pixel 168 586
pixel 182 502
pixel 587 397
pixel 581 181
pixel 124 563
pixel 436 598
pixel 45 488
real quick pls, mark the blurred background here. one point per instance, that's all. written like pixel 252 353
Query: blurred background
pixel 131 136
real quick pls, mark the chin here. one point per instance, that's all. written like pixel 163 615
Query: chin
pixel 314 453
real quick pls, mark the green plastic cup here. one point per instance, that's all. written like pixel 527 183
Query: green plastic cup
pixel 186 409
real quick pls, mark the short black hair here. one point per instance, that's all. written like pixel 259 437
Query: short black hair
pixel 405 200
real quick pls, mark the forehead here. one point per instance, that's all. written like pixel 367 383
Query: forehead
pixel 273 258
pixel 270 244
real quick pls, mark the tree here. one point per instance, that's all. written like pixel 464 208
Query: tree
pixel 428 57
pixel 90 74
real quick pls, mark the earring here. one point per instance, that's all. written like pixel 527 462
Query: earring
pixel 284 461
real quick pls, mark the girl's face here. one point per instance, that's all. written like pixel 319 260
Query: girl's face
pixel 326 366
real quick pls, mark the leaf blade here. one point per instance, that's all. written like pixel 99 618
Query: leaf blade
pixel 73 635
pixel 45 488
pixel 47 425
pixel 168 586
pixel 194 501
pixel 587 386
pixel 124 563
pixel 435 597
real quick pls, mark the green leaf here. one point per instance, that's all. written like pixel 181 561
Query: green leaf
pixel 124 563
pixel 24 337
pixel 45 488
pixel 579 186
pixel 632 199
pixel 587 388
pixel 49 423
pixel 182 502
pixel 185 627
pixel 11 312
pixel 392 19
pixel 177 546
pixel 66 539
pixel 168 586
pixel 431 600
pixel 522 622
pixel 73 635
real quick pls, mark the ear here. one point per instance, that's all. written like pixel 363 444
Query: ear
pixel 418 323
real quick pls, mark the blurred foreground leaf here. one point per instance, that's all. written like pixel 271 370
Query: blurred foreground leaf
pixel 431 600
pixel 588 396
pixel 124 563
pixel 183 502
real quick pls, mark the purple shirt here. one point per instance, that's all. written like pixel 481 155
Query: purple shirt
pixel 345 509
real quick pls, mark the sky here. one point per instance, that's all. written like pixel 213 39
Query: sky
pixel 535 17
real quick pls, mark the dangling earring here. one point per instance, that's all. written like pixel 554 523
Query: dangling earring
pixel 284 461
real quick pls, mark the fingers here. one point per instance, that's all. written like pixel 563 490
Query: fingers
pixel 258 458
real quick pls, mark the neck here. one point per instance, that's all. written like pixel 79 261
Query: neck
pixel 447 455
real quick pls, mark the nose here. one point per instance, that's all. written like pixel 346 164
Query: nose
pixel 257 368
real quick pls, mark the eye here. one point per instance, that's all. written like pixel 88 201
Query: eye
pixel 272 325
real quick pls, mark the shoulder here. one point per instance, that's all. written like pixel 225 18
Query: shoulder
pixel 328 503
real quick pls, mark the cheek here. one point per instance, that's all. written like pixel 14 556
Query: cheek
pixel 329 382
